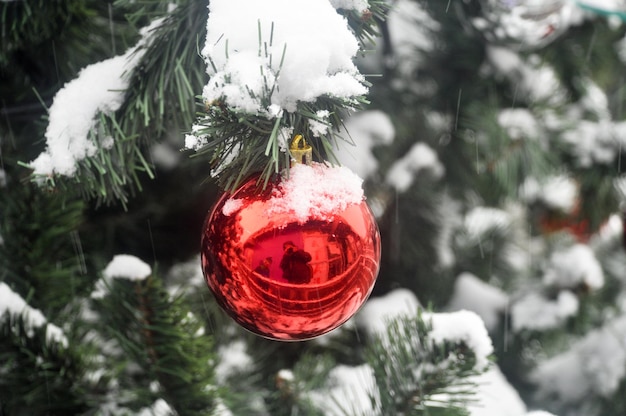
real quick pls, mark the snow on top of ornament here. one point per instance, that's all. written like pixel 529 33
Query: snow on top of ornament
pixel 264 55
pixel 99 88
pixel 316 191
pixel 231 206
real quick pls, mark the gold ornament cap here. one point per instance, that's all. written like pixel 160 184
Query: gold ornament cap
pixel 301 152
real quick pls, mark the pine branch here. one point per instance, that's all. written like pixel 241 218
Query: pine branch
pixel 39 377
pixel 598 198
pixel 160 335
pixel 43 46
pixel 417 376
pixel 366 25
pixel 29 23
pixel 241 141
pixel 240 144
pixel 293 387
pixel 162 97
pixel 160 100
pixel 413 262
pixel 41 256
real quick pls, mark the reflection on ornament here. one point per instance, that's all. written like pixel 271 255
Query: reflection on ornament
pixel 288 274
pixel 604 8
pixel 524 24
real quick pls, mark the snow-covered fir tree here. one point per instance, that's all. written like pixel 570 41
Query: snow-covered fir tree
pixel 489 136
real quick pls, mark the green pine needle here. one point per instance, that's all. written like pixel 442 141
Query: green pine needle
pixel 412 371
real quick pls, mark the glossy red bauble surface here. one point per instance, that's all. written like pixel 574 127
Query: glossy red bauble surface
pixel 284 278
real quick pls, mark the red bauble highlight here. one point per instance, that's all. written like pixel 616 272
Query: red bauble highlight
pixel 286 279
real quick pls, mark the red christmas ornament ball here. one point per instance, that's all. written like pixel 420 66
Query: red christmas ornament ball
pixel 284 274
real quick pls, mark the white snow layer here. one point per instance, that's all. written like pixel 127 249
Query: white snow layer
pixel 353 390
pixel 558 192
pixel 519 123
pixel 596 141
pixel 482 220
pixel 473 294
pixel 535 80
pixel 419 158
pixel 594 365
pixel 461 326
pixel 232 358
pixel 588 130
pixel 158 408
pixel 535 312
pixel 357 5
pixel 410 27
pixel 495 396
pixel 574 266
pixel 363 131
pixel 221 409
pixel 377 311
pixel 13 304
pixel 274 50
pixel 98 89
pixel 123 266
pixel 350 392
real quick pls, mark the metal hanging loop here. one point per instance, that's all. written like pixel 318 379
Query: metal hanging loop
pixel 301 152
